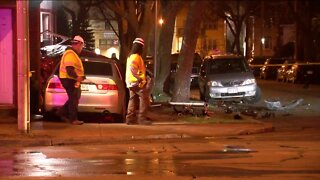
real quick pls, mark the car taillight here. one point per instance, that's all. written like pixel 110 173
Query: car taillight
pixel 107 86
pixel 55 85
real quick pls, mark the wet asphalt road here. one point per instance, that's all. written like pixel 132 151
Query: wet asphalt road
pixel 291 151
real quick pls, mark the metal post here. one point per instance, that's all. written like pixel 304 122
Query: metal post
pixel 23 65
pixel 155 39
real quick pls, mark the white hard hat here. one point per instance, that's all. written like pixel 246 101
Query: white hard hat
pixel 139 41
pixel 77 39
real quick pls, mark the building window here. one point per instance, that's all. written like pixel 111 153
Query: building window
pixel 209 44
pixel 108 42
pixel 107 26
pixel 211 25
pixel 267 42
pixel 268 23
pixel 46 26
pixel 103 42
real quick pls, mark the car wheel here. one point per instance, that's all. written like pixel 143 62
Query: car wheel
pixel 255 98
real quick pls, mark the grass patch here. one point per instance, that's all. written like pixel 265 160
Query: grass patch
pixel 217 118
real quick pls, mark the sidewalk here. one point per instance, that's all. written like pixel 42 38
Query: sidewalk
pixel 44 133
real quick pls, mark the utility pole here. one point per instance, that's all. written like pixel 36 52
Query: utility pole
pixel 155 40
pixel 23 64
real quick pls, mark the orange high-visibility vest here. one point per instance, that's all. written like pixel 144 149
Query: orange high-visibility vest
pixel 135 61
pixel 70 58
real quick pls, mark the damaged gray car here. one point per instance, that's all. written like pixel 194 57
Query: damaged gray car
pixel 227 78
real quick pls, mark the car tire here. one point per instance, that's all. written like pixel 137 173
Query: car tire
pixel 254 99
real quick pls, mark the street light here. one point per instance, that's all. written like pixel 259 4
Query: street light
pixel 161 21
pixel 263 40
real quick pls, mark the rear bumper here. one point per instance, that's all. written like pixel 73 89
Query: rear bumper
pixel 110 102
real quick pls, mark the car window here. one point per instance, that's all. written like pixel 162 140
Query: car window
pixel 94 68
pixel 276 61
pixel 97 68
pixel 258 61
pixel 218 66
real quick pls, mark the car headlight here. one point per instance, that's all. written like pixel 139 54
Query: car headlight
pixel 214 83
pixel 249 81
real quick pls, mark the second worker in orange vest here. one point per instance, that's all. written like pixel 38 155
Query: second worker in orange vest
pixel 136 82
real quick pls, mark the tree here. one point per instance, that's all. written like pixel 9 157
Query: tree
pixel 235 13
pixel 80 23
pixel 134 20
pixel 63 26
pixel 304 12
pixel 181 90
pixel 169 11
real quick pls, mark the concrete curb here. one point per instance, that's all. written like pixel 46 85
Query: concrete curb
pixel 39 140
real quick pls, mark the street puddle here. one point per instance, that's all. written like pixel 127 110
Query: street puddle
pixel 133 162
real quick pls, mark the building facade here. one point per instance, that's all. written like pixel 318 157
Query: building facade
pixel 212 35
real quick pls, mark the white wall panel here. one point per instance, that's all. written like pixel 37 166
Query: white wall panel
pixel 6 57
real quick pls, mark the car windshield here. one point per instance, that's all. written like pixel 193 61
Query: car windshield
pixel 231 65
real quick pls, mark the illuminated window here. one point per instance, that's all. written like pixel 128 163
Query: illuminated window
pixel 267 42
pixel 45 25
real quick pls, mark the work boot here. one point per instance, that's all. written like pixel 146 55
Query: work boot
pixel 77 122
pixel 131 121
pixel 62 116
pixel 145 122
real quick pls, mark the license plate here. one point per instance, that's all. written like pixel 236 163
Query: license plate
pixel 232 90
pixel 84 87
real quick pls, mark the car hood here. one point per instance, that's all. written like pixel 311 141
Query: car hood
pixel 230 76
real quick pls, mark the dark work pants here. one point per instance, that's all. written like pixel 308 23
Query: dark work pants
pixel 70 108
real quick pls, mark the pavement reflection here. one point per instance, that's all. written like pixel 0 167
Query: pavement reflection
pixel 26 162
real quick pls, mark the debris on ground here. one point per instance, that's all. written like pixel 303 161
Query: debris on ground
pixel 277 105
pixel 191 108
pixel 236 149
pixel 257 111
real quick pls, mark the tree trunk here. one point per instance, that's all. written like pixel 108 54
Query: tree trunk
pixel 181 91
pixel 165 46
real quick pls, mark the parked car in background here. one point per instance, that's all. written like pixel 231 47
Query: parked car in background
pixel 304 73
pixel 270 68
pixel 173 69
pixel 256 63
pixel 282 71
pixel 227 78
pixel 103 90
